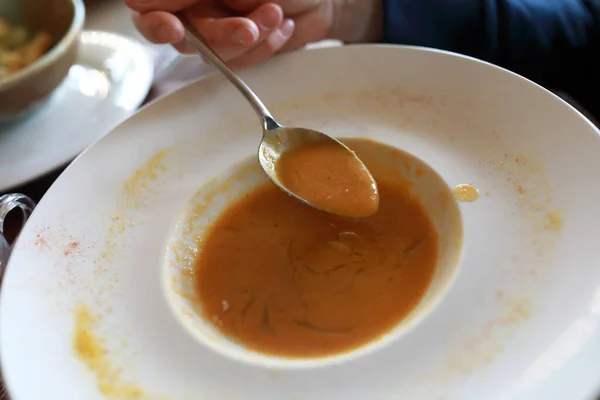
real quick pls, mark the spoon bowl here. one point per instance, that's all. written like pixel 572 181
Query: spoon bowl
pixel 278 141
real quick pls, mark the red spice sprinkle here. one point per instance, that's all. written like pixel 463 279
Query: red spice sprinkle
pixel 70 247
pixel 40 240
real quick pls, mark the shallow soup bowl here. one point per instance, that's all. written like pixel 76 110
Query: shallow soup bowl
pixel 388 165
pixel 98 294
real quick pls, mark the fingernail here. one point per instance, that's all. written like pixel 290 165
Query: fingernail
pixel 166 34
pixel 269 19
pixel 287 28
pixel 243 36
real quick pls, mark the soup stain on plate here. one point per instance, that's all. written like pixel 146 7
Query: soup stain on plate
pixel 88 345
pixel 482 347
pixel 554 221
pixel 466 193
pixel 91 350
pixel 142 182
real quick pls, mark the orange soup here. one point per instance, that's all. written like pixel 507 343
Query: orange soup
pixel 331 178
pixel 285 279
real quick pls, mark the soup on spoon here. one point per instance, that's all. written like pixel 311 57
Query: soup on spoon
pixel 331 178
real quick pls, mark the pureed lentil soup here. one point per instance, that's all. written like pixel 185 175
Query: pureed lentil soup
pixel 285 279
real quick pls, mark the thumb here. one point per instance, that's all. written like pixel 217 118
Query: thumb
pixel 312 26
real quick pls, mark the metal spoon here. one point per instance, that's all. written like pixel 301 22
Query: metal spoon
pixel 277 139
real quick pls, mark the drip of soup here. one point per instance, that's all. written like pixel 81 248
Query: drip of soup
pixel 466 193
pixel 285 279
pixel 329 177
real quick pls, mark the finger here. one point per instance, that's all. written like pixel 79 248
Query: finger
pixel 289 7
pixel 185 48
pixel 314 26
pixel 159 27
pixel 226 36
pixel 271 45
pixel 144 6
pixel 267 17
pixel 231 37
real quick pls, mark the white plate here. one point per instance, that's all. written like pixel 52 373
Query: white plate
pixel 521 321
pixel 110 79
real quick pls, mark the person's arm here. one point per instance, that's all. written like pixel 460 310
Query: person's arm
pixel 552 42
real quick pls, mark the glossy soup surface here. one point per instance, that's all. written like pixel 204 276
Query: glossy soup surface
pixel 331 178
pixel 285 279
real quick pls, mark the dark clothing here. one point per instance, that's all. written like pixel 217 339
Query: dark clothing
pixel 555 43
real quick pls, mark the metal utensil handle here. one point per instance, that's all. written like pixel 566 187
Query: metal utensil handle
pixel 9 202
pixel 196 40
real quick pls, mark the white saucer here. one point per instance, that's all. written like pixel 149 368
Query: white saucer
pixel 109 81
pixel 520 322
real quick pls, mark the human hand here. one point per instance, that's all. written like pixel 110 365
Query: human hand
pixel 242 32
pixel 246 32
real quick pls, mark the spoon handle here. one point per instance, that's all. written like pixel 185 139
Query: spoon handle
pixel 196 40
